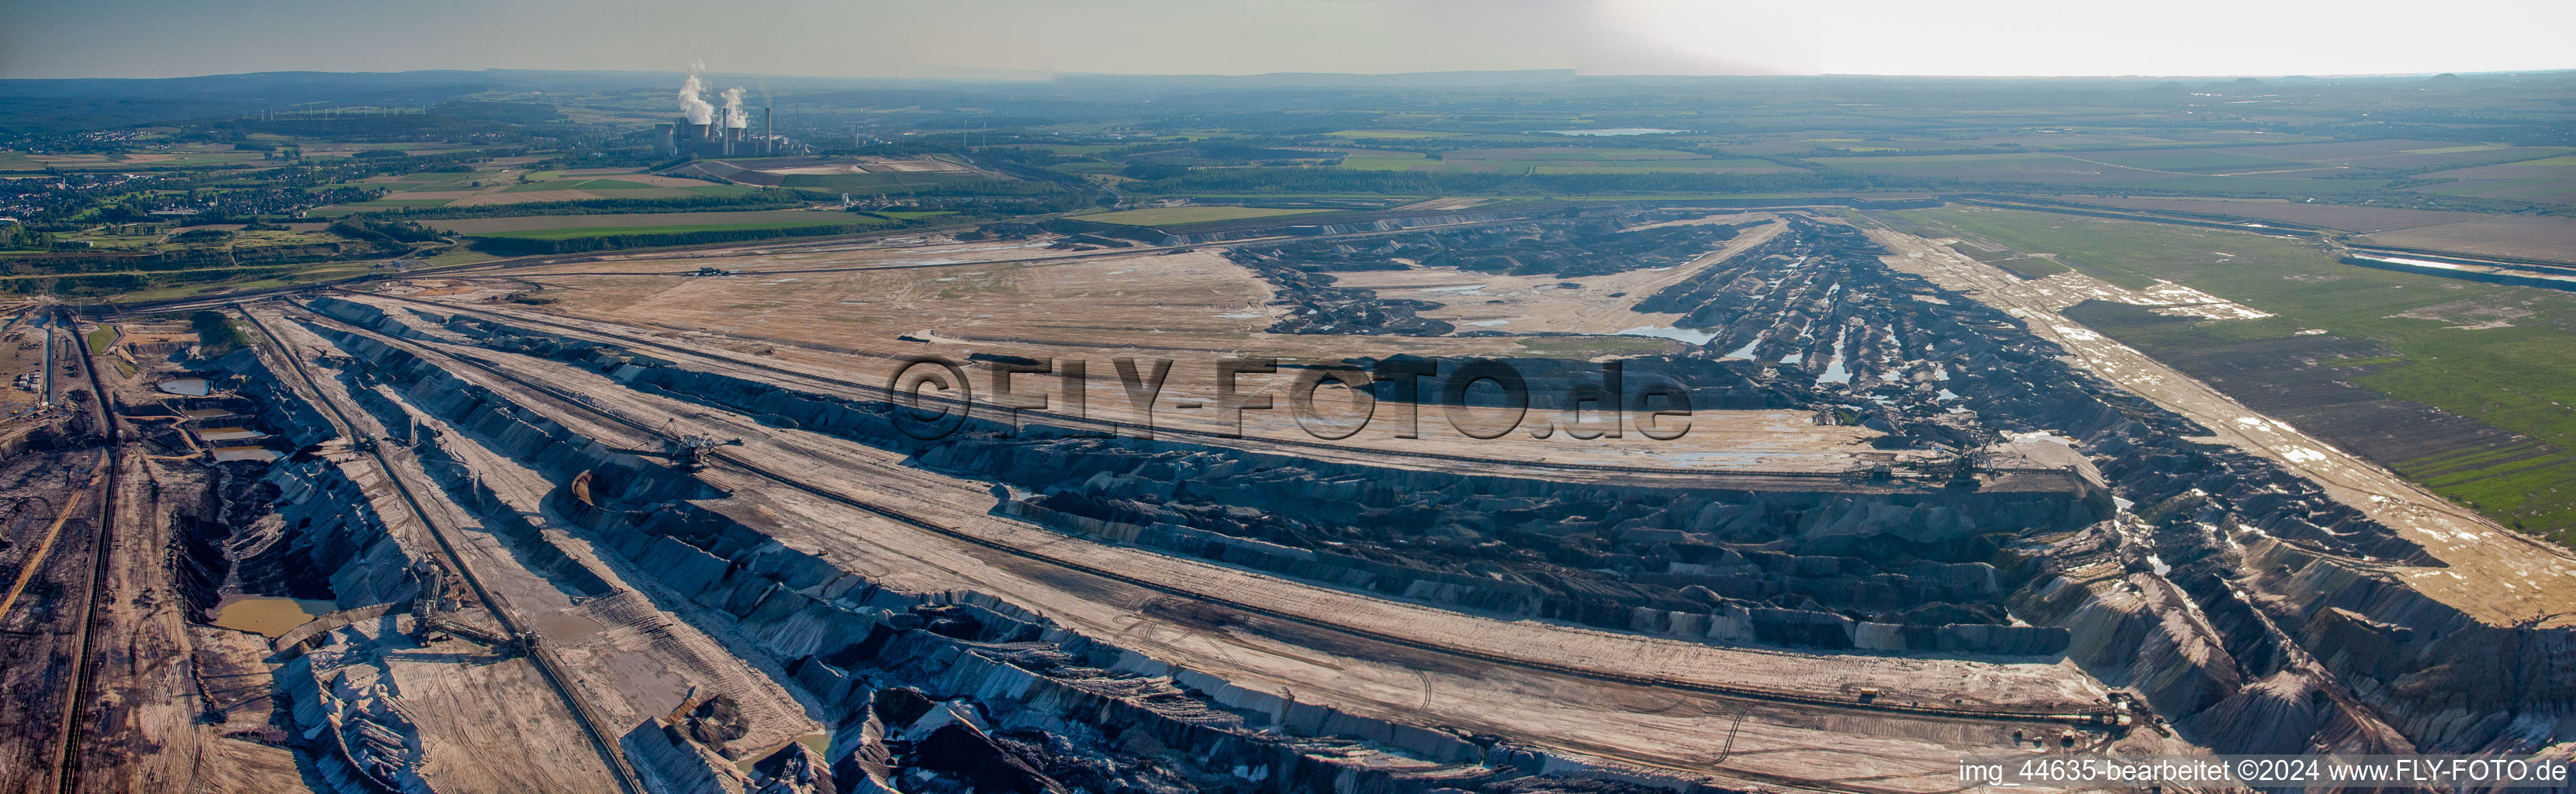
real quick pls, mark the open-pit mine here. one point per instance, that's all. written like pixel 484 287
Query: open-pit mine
pixel 1530 497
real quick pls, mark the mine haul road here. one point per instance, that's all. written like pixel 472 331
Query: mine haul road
pixel 1522 678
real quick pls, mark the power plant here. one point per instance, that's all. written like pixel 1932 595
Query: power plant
pixel 706 130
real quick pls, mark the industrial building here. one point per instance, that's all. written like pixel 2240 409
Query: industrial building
pixel 722 135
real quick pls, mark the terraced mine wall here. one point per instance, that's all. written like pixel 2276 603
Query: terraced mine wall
pixel 300 527
pixel 234 494
pixel 854 645
pixel 1831 566
pixel 2306 641
pixel 1013 680
pixel 278 409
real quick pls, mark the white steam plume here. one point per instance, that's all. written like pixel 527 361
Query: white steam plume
pixel 698 111
pixel 734 117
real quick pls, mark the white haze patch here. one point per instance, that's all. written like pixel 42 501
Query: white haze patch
pixel 734 117
pixel 698 110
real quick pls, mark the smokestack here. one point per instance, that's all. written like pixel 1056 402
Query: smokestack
pixel 768 134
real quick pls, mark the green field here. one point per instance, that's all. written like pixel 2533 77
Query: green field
pixel 1554 164
pixel 427 179
pixel 101 338
pixel 2188 160
pixel 743 219
pixel 1573 153
pixel 897 181
pixel 1173 216
pixel 1087 168
pixel 2107 169
pixel 457 255
pixel 2520 377
pixel 1394 134
pixel 580 184
pixel 1743 165
pixel 2126 254
pixel 164 284
pixel 326 271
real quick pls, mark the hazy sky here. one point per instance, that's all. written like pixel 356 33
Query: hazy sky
pixel 947 38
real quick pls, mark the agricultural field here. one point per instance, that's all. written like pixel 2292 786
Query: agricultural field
pixel 565 226
pixel 2398 153
pixel 846 174
pixel 1395 134
pixel 506 186
pixel 2103 138
pixel 2344 217
pixel 877 183
pixel 2214 161
pixel 2299 169
pixel 1087 169
pixel 2017 167
pixel 2549 180
pixel 2524 236
pixel 575 233
pixel 192 155
pixel 1559 161
pixel 580 184
pixel 151 285
pixel 1571 153
pixel 2485 367
pixel 150 238
pixel 1172 216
